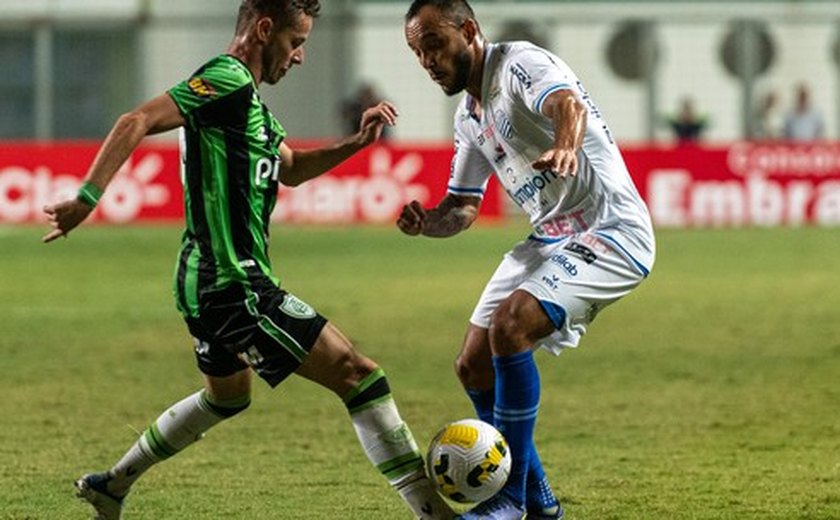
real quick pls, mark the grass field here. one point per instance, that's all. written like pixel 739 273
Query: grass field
pixel 713 392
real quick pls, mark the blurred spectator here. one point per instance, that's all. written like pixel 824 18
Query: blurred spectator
pixel 352 108
pixel 803 122
pixel 767 119
pixel 687 125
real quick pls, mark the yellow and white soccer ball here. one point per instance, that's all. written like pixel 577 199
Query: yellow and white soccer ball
pixel 469 461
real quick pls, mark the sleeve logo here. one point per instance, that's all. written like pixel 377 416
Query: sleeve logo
pixel 201 87
pixel 521 74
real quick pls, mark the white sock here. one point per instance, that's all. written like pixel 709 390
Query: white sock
pixel 390 446
pixel 181 425
pixel 419 493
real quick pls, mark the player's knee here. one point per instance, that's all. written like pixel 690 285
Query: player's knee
pixel 473 372
pixel 507 336
pixel 463 370
pixel 362 368
pixel 352 367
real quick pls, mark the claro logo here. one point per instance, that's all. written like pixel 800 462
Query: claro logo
pixel 378 197
pixel 24 192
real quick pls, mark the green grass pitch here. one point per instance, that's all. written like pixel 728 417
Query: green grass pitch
pixel 712 392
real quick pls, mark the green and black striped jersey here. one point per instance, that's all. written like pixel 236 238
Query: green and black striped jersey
pixel 229 166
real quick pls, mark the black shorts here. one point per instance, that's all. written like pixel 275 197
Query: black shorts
pixel 262 327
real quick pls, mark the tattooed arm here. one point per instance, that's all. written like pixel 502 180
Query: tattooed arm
pixel 452 215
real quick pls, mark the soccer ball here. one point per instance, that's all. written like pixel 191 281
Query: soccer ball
pixel 469 461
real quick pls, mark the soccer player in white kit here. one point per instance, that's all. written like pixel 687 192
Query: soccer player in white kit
pixel 527 118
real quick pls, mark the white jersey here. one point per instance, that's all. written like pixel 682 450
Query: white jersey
pixel 508 131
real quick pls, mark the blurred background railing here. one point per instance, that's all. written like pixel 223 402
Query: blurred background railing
pixel 71 66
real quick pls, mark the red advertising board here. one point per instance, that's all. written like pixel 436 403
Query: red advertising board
pixel 147 187
pixel 370 187
pixel 373 186
pixel 743 184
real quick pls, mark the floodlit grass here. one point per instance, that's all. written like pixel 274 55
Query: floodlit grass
pixel 712 392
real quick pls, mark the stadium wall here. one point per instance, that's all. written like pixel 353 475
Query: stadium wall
pixel 359 41
pixel 690 37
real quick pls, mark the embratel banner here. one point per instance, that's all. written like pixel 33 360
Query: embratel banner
pixel 745 184
pixel 371 187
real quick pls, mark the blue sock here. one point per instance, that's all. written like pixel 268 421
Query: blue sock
pixel 539 494
pixel 515 414
pixel 483 401
pixel 537 489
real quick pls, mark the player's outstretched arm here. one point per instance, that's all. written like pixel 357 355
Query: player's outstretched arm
pixel 155 116
pixel 568 115
pixel 300 166
pixel 453 214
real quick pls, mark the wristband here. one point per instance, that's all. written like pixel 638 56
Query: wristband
pixel 90 194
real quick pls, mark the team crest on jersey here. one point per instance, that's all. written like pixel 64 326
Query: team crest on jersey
pixel 296 308
pixel 201 87
pixel 503 125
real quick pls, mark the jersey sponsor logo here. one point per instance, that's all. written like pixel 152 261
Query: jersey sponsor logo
pixel 521 74
pixel 267 168
pixel 533 187
pixel 296 308
pixel 564 262
pixel 582 251
pixel 201 87
pixel 552 281
pixel 594 112
pixel 485 135
pixel 499 155
pixel 564 224
pixel 252 357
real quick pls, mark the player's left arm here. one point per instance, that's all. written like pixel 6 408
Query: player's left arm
pixel 299 166
pixel 453 214
pixel 157 115
pixel 568 115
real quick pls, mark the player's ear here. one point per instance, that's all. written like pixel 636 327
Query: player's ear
pixel 264 28
pixel 469 29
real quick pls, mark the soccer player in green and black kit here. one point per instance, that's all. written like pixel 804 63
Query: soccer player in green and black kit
pixel 242 322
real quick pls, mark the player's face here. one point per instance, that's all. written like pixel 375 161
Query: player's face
pixel 285 49
pixel 442 48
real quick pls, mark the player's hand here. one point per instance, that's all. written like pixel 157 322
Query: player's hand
pixel 374 118
pixel 64 217
pixel 412 219
pixel 562 162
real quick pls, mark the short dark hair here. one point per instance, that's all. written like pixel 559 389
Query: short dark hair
pixel 283 12
pixel 456 11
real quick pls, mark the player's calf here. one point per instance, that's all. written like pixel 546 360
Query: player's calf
pixel 390 446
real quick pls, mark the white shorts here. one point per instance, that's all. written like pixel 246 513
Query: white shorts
pixel 573 279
